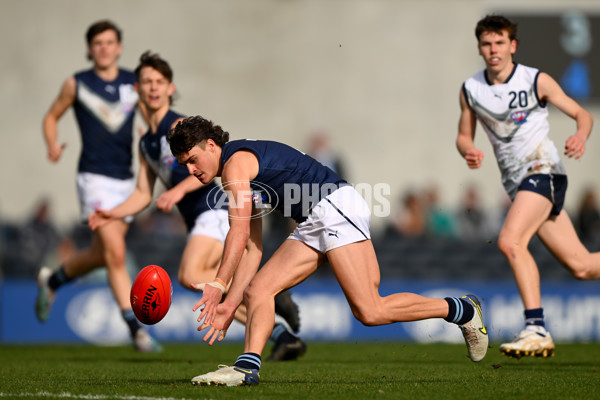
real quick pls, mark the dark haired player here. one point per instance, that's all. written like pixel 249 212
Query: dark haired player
pixel 333 224
pixel 199 204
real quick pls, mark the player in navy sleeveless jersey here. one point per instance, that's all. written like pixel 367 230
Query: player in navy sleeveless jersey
pixel 104 101
pixel 510 101
pixel 333 225
pixel 202 206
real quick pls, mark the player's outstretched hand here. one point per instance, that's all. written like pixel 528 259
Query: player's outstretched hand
pixel 99 218
pixel 474 157
pixel 168 199
pixel 211 297
pixel 223 319
pixel 574 147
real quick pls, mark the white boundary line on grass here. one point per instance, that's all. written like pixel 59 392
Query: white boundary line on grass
pixel 65 395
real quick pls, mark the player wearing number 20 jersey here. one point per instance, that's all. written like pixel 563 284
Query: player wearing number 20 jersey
pixel 516 123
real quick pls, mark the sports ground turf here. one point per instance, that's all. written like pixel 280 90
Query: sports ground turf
pixel 328 371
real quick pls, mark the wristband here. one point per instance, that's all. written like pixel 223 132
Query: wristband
pixel 217 285
pixel 222 282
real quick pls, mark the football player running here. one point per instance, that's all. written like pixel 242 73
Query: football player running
pixel 510 101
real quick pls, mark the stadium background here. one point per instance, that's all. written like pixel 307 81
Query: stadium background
pixel 380 77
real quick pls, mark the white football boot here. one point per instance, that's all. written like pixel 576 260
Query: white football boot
pixel 474 332
pixel 529 342
pixel 45 297
pixel 228 376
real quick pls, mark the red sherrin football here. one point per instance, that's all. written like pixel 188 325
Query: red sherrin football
pixel 151 294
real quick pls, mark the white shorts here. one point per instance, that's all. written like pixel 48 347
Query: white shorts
pixel 101 191
pixel 213 223
pixel 339 219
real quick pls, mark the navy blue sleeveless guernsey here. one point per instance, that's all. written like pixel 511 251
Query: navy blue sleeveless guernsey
pixel 289 180
pixel 105 112
pixel 158 154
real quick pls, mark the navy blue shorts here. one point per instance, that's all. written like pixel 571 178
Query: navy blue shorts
pixel 552 187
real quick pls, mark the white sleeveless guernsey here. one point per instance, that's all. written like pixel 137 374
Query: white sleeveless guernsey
pixel 516 122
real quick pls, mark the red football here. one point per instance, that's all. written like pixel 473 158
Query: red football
pixel 151 294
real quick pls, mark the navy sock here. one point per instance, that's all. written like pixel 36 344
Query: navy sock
pixel 248 361
pixel 131 321
pixel 282 335
pixel 535 316
pixel 58 278
pixel 460 311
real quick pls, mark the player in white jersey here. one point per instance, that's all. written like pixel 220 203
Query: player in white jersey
pixel 509 100
pixel 104 101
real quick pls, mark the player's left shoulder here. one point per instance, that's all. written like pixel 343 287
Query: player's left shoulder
pixel 244 159
pixel 547 86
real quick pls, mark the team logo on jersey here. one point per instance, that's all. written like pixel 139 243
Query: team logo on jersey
pixel 519 117
pixel 167 157
pixel 169 161
pixel 263 198
pixel 260 199
pixel 128 97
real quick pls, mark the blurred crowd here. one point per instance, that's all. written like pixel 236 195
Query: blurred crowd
pixel 26 245
pixel 419 214
pixel 159 238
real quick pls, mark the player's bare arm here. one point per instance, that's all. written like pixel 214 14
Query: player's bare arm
pixel 550 91
pixel 65 99
pixel 169 198
pixel 135 203
pixel 237 173
pixel 466 135
pixel 249 263
pixel 246 270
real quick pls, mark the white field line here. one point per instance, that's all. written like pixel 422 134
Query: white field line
pixel 84 396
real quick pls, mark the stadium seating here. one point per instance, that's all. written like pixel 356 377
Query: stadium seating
pixel 399 257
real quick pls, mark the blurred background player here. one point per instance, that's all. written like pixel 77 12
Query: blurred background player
pixel 203 207
pixel 104 100
pixel 509 100
pixel 321 149
pixel 588 216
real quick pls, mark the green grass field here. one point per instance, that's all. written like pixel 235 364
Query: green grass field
pixel 328 371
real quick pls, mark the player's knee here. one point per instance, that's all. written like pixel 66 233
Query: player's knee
pixel 184 280
pixel 507 245
pixel 582 266
pixel 503 244
pixel 254 295
pixel 250 294
pixel 193 272
pixel 583 272
pixel 116 257
pixel 369 318
pixel 581 275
